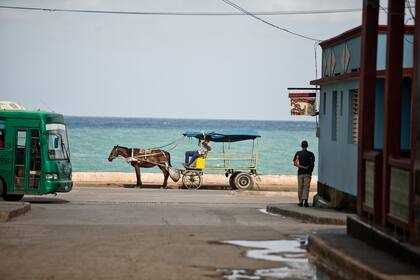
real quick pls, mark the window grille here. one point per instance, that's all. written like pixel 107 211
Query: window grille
pixel 354 116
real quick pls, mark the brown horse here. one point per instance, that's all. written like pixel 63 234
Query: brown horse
pixel 144 158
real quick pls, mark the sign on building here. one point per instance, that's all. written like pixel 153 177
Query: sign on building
pixel 303 104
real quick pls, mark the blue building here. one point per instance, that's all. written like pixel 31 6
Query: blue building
pixel 339 112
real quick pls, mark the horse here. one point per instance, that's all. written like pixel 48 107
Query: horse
pixel 144 158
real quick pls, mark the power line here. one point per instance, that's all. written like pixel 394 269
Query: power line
pixel 269 23
pixel 408 7
pixel 410 10
pixel 180 13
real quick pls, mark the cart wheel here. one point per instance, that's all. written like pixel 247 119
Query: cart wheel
pixel 191 180
pixel 232 179
pixel 244 181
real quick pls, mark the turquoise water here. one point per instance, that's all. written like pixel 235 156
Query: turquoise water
pixel 92 139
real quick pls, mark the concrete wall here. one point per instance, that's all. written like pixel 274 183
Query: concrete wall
pixel 337 165
pixel 157 178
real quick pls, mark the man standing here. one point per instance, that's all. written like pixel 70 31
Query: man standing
pixel 305 161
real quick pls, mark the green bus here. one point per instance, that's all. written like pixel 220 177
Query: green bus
pixel 34 154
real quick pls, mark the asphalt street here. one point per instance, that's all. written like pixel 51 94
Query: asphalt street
pixel 122 233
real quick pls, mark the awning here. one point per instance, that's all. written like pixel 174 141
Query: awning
pixel 224 136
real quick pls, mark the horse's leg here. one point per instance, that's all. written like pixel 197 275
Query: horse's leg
pixel 138 175
pixel 165 175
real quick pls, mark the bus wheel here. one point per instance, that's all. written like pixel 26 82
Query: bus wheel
pixel 8 197
pixel 244 181
pixel 1 188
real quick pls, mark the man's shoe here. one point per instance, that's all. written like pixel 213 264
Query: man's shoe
pixel 306 204
pixel 300 204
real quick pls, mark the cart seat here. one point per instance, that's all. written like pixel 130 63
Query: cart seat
pixel 198 164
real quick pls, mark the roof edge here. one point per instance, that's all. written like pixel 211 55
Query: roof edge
pixel 351 33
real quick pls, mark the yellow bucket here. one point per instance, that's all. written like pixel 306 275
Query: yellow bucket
pixel 200 163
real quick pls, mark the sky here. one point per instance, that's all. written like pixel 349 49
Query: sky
pixel 214 67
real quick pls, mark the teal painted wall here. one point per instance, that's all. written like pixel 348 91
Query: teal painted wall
pixel 378 142
pixel 353 46
pixel 337 158
pixel 405 114
pixel 408 51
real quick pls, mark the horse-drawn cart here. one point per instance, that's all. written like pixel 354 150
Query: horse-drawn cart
pixel 239 165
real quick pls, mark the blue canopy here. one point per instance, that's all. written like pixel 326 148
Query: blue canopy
pixel 224 135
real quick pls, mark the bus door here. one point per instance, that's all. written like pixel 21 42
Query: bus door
pixel 27 160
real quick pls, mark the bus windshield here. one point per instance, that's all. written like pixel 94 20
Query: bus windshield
pixel 57 141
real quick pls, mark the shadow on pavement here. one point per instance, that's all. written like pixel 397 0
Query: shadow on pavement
pixel 150 186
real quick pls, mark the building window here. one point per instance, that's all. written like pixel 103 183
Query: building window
pixel 341 103
pixel 334 116
pixel 324 103
pixel 354 116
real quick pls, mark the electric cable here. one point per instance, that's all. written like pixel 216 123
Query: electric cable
pixel 269 23
pixel 181 13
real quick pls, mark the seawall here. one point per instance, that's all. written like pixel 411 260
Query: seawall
pixel 283 182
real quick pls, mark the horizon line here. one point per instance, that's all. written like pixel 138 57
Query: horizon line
pixel 181 118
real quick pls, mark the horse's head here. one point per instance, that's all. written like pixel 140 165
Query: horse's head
pixel 114 153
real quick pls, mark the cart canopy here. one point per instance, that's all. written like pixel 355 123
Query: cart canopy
pixel 224 135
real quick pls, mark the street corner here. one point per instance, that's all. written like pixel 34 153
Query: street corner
pixel 10 210
pixel 309 214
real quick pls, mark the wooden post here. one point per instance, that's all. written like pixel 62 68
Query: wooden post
pixel 393 92
pixel 369 42
pixel 414 191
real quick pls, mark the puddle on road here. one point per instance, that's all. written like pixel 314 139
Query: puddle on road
pixel 264 211
pixel 291 254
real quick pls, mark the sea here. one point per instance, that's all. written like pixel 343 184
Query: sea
pixel 91 139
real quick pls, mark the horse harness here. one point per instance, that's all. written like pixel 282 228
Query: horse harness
pixel 144 157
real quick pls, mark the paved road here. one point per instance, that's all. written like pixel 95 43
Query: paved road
pixel 118 233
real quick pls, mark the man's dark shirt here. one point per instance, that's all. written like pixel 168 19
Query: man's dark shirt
pixel 306 158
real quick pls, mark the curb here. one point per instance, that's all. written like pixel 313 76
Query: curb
pixel 349 268
pixel 14 211
pixel 308 218
pixel 362 230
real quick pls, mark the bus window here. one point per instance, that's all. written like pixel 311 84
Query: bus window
pixel 2 138
pixel 57 141
pixel 35 166
pixel 20 158
pixel 2 133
